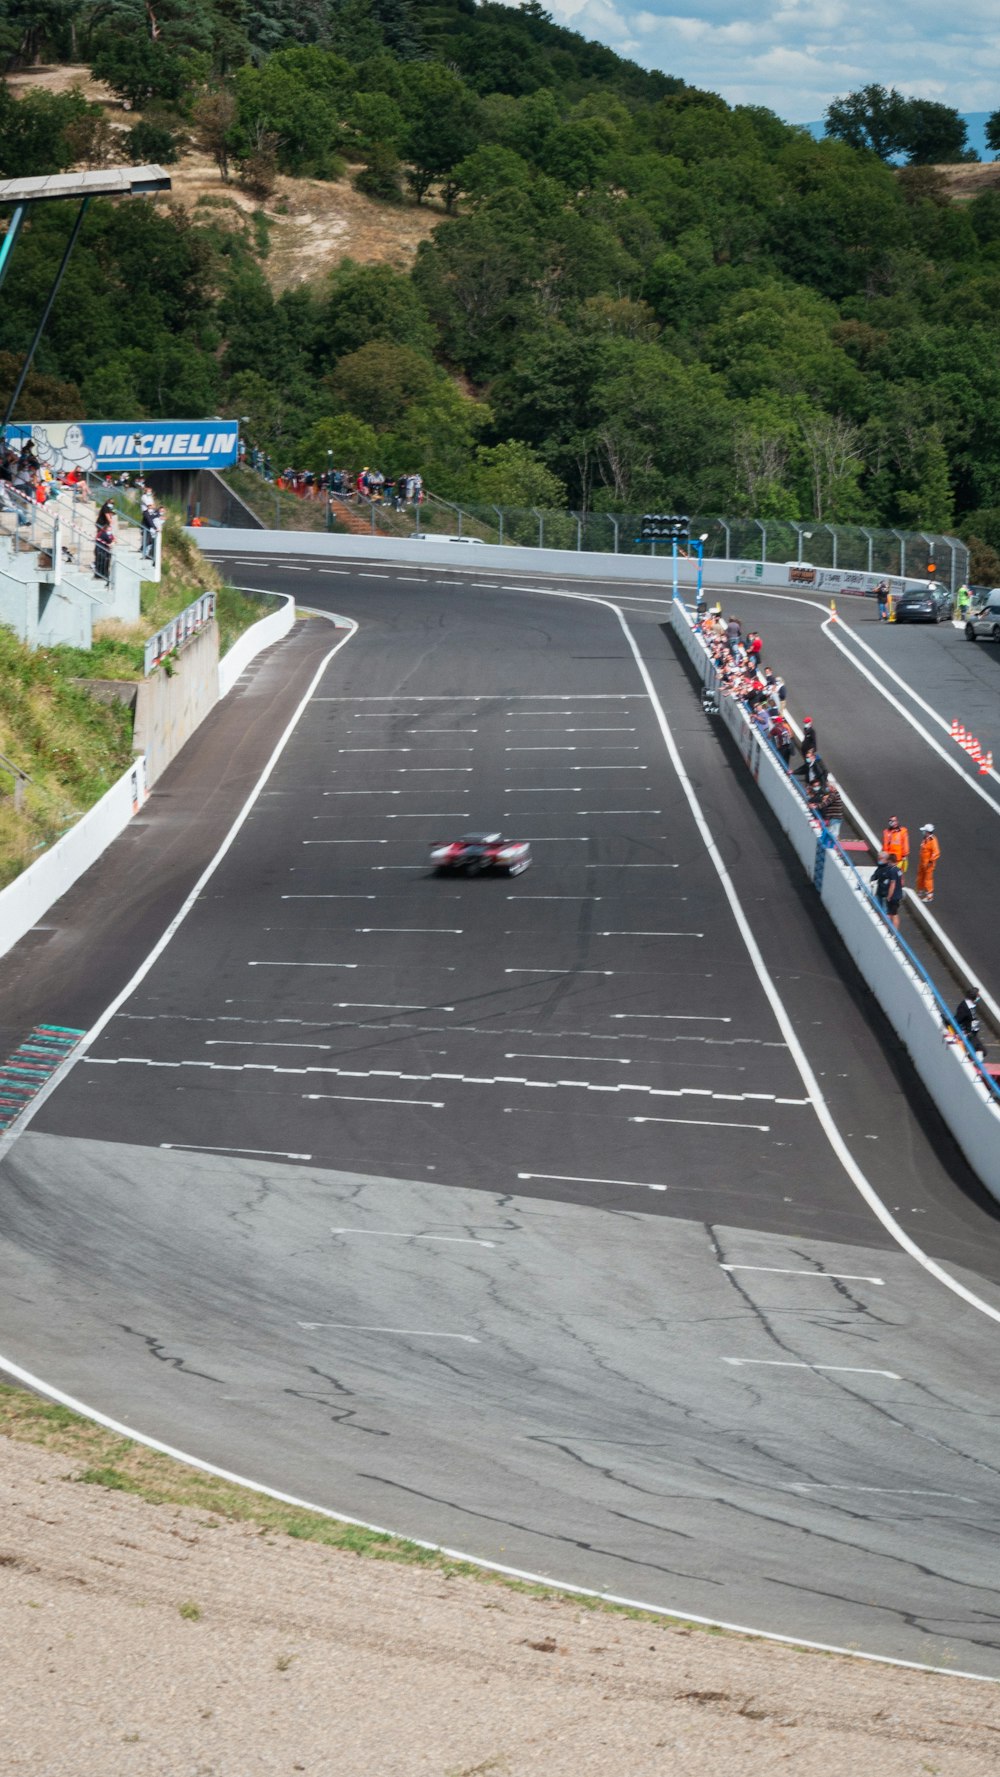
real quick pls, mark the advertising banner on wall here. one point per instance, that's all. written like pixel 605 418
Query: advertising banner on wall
pixel 94 446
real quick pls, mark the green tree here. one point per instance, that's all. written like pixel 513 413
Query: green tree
pixel 513 474
pixel 442 125
pixel 369 302
pixel 929 504
pixel 381 380
pixel 871 118
pixel 138 70
pixel 354 444
pixel 933 133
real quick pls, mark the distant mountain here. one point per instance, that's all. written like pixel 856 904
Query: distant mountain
pixel 975 122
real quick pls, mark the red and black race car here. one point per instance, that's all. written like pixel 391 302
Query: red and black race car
pixel 477 852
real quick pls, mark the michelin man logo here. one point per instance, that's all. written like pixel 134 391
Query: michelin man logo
pixel 73 453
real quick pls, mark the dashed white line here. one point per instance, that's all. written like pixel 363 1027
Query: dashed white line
pixel 348 1326
pixel 792 1271
pixel 676 1017
pixel 778 1363
pixel 426 1104
pixel 574 1178
pixel 201 1147
pixel 398 1234
pixel 704 1123
pixel 281 965
pixel 649 934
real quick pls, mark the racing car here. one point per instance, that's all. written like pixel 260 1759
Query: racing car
pixel 477 852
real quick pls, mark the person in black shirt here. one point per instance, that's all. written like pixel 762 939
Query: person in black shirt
pixel 887 882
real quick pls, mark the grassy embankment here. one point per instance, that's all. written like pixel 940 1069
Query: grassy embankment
pixel 73 747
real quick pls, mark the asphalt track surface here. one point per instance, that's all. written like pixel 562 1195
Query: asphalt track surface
pixel 498 1212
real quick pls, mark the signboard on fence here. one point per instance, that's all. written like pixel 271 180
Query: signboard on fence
pixel 844 580
pixel 95 446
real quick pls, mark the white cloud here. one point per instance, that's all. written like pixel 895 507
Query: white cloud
pixel 797 55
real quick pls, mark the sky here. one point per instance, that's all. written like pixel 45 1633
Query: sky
pixel 796 55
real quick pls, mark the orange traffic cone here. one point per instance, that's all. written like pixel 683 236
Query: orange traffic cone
pixel 985 764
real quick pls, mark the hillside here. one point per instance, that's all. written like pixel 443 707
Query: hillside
pixel 464 239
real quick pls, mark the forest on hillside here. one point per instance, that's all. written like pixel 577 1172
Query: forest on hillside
pixel 637 295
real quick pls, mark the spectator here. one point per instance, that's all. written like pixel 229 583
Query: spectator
pixel 104 538
pixel 930 853
pixel 887 881
pixel 966 1017
pixel 808 736
pixel 831 808
pixel 882 595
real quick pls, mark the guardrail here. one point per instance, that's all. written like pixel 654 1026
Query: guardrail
pixel 963 1092
pixel 190 622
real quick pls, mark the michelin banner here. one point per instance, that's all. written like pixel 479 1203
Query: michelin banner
pixel 93 446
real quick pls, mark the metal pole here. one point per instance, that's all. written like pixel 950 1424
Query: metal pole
pixel 579 531
pixel 329 490
pixel 871 546
pixel 47 310
pixel 614 523
pixel 673 542
pixel 699 593
pixel 7 244
pixel 541 527
pixel 499 512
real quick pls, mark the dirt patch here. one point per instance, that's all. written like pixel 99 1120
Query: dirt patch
pixel 312 224
pixel 146 1639
pixel 969 180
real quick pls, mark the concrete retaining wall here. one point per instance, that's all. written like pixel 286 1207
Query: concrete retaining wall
pixel 563 563
pixel 28 898
pixel 175 699
pixel 253 641
pixel 969 1108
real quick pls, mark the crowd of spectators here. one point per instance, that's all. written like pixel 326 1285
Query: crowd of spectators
pixel 742 674
pixel 396 492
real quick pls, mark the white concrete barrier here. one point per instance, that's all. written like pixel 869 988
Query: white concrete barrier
pixel 28 898
pixel 907 996
pixel 254 640
pixel 432 552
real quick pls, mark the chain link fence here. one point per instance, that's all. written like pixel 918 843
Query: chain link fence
pixel 864 549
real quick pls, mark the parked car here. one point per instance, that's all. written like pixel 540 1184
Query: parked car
pixel 923 604
pixel 982 623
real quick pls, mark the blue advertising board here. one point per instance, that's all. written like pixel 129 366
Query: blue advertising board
pixel 105 445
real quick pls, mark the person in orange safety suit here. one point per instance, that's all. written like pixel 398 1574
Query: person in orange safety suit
pixel 896 841
pixel 930 852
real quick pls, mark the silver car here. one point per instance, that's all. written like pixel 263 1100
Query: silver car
pixel 982 623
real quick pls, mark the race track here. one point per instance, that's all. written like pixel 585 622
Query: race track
pixel 500 1212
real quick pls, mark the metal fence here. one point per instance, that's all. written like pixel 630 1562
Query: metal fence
pixel 194 618
pixel 863 548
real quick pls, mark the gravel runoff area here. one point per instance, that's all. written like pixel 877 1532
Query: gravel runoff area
pixel 140 1638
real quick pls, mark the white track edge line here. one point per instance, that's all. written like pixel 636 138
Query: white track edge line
pixel 56 1079
pixel 516 1573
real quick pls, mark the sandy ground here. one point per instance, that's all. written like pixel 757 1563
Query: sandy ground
pixel 314 223
pixel 140 1639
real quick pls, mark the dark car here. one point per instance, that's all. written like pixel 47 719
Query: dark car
pixel 477 852
pixel 923 604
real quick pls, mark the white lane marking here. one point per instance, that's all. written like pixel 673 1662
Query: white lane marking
pixel 542 1055
pixel 292 568
pixel 781 1363
pixel 676 1017
pixel 200 1147
pixel 426 1104
pixel 394 1234
pixel 539 749
pixel 441 931
pixel 704 1123
pixel 284 965
pixel 329 897
pixel 649 934
pixel 493 696
pixel 330 817
pixel 896 1492
pixel 559 971
pixel 350 1326
pixel 583 812
pixel 554 897
pixel 575 1178
pixel 557 838
pixel 444 731
pixel 792 1271
pixel 425 768
pixel 191 900
pixel 345 842
pixel 633 866
pixel 433 814
pixel 72 1402
pixel 394 866
pixel 950 759
pixel 365 574
pixel 333 570
pixel 374 749
pixel 545 790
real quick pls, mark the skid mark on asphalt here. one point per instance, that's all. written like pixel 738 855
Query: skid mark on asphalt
pixel 32 1063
